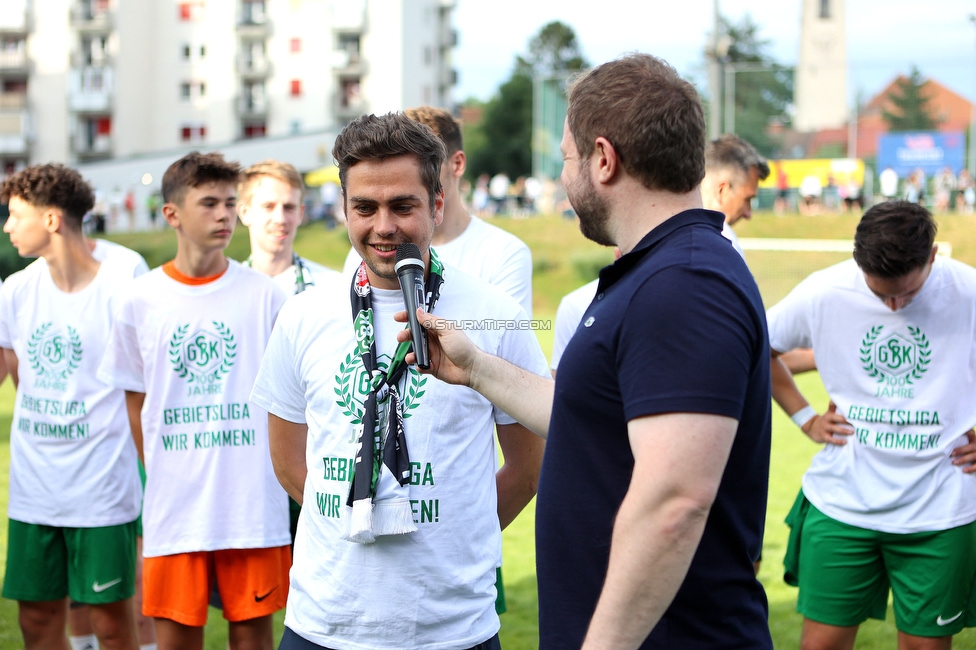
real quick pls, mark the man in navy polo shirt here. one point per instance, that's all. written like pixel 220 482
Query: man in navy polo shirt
pixel 653 489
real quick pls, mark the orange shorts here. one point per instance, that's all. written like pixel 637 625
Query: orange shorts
pixel 252 582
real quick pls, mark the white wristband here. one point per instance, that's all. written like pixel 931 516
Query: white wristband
pixel 803 416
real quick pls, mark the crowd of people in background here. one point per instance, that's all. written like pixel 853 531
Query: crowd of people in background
pixel 947 192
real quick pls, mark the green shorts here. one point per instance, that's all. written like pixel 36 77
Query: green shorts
pixel 93 566
pixel 845 572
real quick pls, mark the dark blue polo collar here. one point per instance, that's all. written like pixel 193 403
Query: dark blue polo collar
pixel 612 273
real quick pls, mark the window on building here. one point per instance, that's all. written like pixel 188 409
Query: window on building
pixel 825 8
pixel 253 12
pixel 254 130
pixel 296 127
pixel 195 132
pixel 186 51
pixel 190 90
pixel 203 51
pixel 350 92
pixel 296 87
pixel 349 43
pixel 295 45
pixel 191 10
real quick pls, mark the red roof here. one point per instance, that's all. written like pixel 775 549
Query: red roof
pixel 951 110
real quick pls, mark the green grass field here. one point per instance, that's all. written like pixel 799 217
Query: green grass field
pixel 563 260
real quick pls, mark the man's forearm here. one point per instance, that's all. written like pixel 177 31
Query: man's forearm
pixel 525 396
pixel 286 441
pixel 785 391
pixel 518 478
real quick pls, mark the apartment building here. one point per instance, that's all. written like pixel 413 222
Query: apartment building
pixel 90 80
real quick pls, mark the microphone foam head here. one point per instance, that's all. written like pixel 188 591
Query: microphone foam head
pixel 407 251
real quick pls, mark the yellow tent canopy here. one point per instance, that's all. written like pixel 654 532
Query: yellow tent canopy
pixel 322 175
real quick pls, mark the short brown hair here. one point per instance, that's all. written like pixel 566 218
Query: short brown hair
pixel 369 137
pixel 51 186
pixel 276 169
pixel 732 152
pixel 651 116
pixel 894 238
pixel 441 123
pixel 195 169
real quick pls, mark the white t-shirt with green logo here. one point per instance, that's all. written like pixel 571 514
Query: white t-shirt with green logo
pixel 72 459
pixel 905 380
pixel 194 352
pixel 433 588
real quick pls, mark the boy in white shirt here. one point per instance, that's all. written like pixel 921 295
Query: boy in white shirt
pixel 889 502
pixel 269 203
pixel 186 346
pixel 74 482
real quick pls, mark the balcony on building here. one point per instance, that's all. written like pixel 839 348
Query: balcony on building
pixel 253 20
pixel 346 58
pixel 13 60
pixel 90 90
pixel 15 19
pixel 252 106
pixel 348 16
pixel 91 16
pixel 449 77
pixel 93 138
pixel 449 36
pixel 253 66
pixel 348 102
pixel 14 121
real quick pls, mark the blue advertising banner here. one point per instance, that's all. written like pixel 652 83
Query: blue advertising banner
pixel 929 151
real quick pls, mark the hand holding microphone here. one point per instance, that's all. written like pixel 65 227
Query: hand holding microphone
pixel 410 272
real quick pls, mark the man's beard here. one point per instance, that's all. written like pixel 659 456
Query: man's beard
pixel 592 210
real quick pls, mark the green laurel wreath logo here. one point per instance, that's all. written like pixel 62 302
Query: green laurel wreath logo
pixel 36 358
pixel 226 362
pixel 347 389
pixel 923 357
pixel 32 353
pixel 867 346
pixel 230 350
pixel 176 351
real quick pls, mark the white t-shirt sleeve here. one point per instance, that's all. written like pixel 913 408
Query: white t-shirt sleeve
pixel 140 268
pixel 515 277
pixel 790 320
pixel 568 315
pixel 278 389
pixel 122 366
pixel 6 314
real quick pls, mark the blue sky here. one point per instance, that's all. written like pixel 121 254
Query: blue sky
pixel 936 36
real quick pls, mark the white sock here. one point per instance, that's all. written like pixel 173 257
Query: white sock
pixel 87 642
pixel 148 646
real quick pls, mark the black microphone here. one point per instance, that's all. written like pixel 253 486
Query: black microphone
pixel 410 272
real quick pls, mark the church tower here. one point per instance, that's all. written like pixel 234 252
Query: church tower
pixel 820 84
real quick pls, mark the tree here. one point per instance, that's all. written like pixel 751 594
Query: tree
pixel 911 110
pixel 505 140
pixel 763 87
